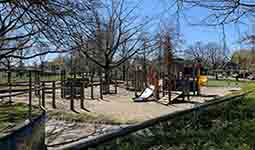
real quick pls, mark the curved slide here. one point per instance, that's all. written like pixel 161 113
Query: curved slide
pixel 148 92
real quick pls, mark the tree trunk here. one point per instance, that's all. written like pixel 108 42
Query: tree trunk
pixel 144 71
pixel 124 72
pixel 107 81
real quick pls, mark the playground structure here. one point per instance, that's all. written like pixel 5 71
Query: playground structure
pixel 182 77
pixel 42 84
pixel 180 80
pixel 54 84
pixel 72 85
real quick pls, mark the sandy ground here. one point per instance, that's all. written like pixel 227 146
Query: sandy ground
pixel 118 107
pixel 122 107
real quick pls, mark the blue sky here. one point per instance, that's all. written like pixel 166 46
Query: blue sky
pixel 158 10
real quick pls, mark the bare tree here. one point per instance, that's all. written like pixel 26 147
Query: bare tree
pixel 249 40
pixel 168 59
pixel 221 11
pixel 210 54
pixel 215 54
pixel 148 48
pixel 197 52
pixel 115 38
pixel 124 66
pixel 25 23
pixel 159 52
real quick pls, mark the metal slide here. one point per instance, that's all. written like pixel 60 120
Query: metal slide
pixel 148 92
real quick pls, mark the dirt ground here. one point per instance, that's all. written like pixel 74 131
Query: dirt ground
pixel 119 108
pixel 123 108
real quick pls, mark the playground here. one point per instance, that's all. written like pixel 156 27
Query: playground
pixel 113 111
pixel 84 103
pixel 134 100
pixel 121 108
pixel 119 111
pixel 127 75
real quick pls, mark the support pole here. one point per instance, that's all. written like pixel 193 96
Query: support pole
pixel 169 91
pixel 198 76
pixel 194 79
pixel 164 85
pixel 9 85
pixel 85 85
pixel 101 85
pixel 39 87
pixel 92 86
pixel 36 83
pixel 43 94
pixel 116 83
pixel 135 83
pixel 62 83
pixel 127 79
pixel 82 96
pixel 54 94
pixel 187 88
pixel 30 96
pixel 72 96
pixel 169 82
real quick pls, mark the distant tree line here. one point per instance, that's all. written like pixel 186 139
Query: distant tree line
pixel 211 55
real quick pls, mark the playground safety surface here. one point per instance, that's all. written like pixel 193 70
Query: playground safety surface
pixel 118 107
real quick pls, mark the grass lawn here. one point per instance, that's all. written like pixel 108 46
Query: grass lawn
pixel 225 127
pixel 13 114
pixel 227 83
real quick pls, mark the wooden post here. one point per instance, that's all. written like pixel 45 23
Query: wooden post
pixel 43 94
pixel 36 83
pixel 39 88
pixel 9 84
pixel 54 94
pixel 188 88
pixel 92 86
pixel 198 84
pixel 169 82
pixel 157 87
pixel 169 90
pixel 194 79
pixel 62 83
pixel 136 83
pixel 30 96
pixel 127 80
pixel 84 84
pixel 101 85
pixel 82 93
pixel 82 96
pixel 116 83
pixel 164 85
pixel 72 96
pixel 82 90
